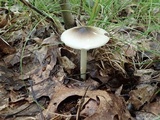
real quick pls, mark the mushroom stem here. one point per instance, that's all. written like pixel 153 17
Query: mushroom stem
pixel 83 63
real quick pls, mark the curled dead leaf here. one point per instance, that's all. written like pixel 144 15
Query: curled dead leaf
pixel 97 105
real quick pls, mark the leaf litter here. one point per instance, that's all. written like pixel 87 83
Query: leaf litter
pixel 41 79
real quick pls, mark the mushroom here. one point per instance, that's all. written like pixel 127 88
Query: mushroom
pixel 84 38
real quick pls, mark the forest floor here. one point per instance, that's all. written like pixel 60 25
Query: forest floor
pixel 40 76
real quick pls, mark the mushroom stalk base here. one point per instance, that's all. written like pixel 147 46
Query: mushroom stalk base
pixel 83 63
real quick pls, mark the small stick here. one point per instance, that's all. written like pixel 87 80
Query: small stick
pixel 81 102
pixel 35 100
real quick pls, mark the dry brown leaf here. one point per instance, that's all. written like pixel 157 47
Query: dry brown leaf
pixel 45 88
pixel 99 104
pixel 4 71
pixel 90 107
pixel 142 95
pixel 144 116
pixel 153 107
pixel 41 54
pixel 83 84
pixel 52 40
pixel 4 99
pixel 13 109
pixel 119 90
pixel 11 60
pixel 24 118
pixel 4 17
pixel 5 48
pixel 115 109
pixel 67 64
pixel 145 75
pixel 16 96
pixel 48 61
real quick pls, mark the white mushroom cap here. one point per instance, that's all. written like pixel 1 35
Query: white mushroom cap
pixel 84 37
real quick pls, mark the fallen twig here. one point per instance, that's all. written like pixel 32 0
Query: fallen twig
pixel 81 103
pixel 35 100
